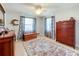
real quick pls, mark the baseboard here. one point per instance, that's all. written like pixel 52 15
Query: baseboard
pixel 77 46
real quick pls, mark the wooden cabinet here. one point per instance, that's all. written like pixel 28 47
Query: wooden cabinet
pixel 29 36
pixel 65 32
pixel 7 44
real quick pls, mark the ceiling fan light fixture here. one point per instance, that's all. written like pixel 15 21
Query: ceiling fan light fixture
pixel 38 10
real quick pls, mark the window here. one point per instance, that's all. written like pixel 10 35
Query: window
pixel 48 24
pixel 29 24
pixel 50 27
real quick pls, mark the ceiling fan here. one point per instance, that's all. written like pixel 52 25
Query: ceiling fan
pixel 38 8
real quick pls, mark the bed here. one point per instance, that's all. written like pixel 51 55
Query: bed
pixel 42 46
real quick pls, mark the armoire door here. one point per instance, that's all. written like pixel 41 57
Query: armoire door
pixel 65 32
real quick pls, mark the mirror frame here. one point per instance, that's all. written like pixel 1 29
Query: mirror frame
pixel 3 14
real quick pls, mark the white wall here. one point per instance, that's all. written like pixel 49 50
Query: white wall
pixel 77 34
pixel 40 25
pixel 8 18
pixel 65 14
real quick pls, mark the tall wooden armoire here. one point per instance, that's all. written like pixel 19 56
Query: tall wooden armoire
pixel 65 32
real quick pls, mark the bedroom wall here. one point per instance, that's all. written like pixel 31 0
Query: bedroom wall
pixel 40 25
pixel 9 17
pixel 64 14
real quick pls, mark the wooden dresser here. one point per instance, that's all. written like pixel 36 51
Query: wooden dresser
pixel 7 44
pixel 29 36
pixel 65 32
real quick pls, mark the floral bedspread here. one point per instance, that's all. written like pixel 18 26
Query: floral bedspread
pixel 44 47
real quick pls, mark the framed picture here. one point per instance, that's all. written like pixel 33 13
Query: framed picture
pixel 15 22
pixel 2 16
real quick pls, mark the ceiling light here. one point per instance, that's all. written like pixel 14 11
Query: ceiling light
pixel 38 10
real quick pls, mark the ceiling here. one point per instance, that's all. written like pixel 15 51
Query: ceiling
pixel 27 9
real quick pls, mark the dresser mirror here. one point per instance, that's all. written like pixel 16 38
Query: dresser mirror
pixel 2 16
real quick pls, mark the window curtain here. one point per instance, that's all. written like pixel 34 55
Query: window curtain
pixel 52 32
pixel 53 27
pixel 34 25
pixel 45 27
pixel 21 27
